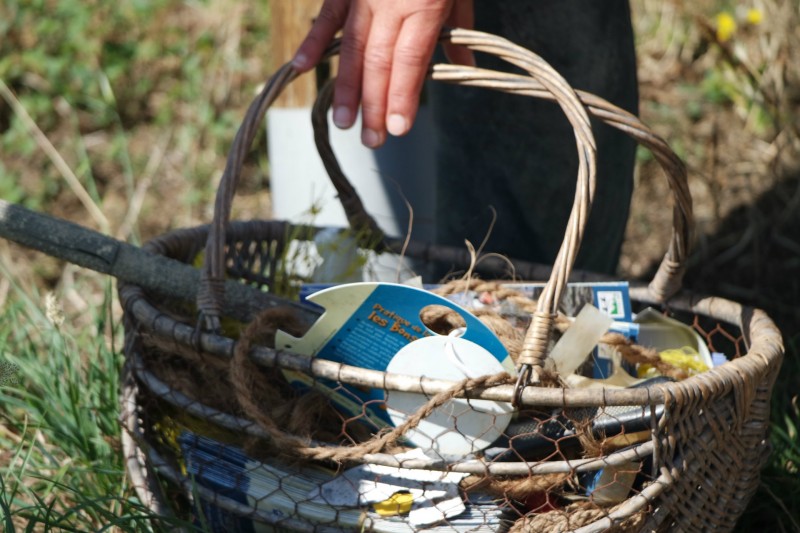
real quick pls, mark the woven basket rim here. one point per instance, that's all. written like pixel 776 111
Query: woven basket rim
pixel 752 369
pixel 765 350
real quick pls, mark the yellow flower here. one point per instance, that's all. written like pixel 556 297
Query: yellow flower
pixel 754 16
pixel 726 26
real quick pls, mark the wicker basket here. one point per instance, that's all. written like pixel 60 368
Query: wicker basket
pixel 696 471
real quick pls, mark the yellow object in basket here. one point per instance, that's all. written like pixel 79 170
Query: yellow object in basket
pixel 398 503
pixel 685 358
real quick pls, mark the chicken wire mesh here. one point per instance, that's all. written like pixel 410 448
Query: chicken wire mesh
pixel 304 457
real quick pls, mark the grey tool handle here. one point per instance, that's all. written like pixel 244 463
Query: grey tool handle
pixel 87 248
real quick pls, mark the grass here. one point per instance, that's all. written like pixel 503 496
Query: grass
pixel 62 467
pixel 134 104
pixel 138 99
pixel 775 505
pixel 106 110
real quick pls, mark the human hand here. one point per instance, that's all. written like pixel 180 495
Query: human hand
pixel 386 49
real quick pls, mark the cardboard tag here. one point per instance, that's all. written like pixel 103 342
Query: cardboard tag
pixel 365 325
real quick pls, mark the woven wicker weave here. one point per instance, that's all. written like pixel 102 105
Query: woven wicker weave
pixel 706 450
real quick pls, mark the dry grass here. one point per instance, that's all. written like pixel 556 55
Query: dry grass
pixel 729 108
pixel 153 141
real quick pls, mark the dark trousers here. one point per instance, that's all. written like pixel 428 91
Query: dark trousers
pixel 518 154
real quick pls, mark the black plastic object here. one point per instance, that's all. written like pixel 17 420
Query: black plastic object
pixel 537 435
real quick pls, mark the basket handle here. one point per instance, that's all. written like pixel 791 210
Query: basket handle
pixel 669 276
pixel 534 348
pixel 543 82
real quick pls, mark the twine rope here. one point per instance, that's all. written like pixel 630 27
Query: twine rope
pixel 510 337
pixel 572 517
pixel 245 385
pixel 253 392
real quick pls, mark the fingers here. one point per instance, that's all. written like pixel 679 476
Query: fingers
pixel 412 55
pixel 379 68
pixel 330 20
pixel 348 89
pixel 385 52
pixel 461 16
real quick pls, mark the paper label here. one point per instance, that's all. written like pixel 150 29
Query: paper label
pixel 365 325
pixel 610 297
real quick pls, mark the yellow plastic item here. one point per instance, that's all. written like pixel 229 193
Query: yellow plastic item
pixel 686 358
pixel 397 504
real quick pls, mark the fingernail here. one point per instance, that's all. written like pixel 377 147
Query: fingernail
pixel 300 61
pixel 396 124
pixel 342 117
pixel 370 138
